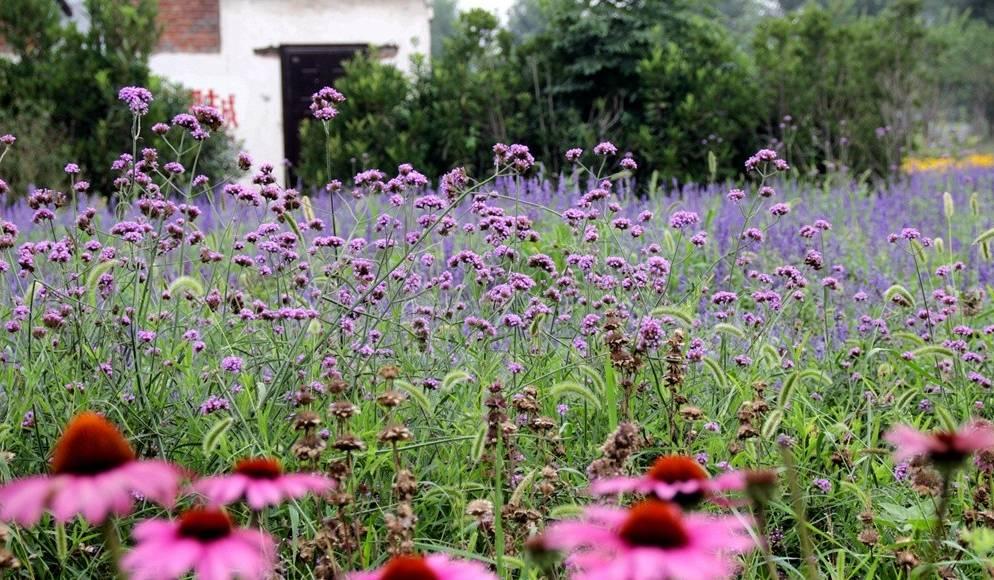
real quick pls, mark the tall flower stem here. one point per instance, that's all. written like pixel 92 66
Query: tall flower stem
pixel 327 174
pixel 941 509
pixel 761 527
pixel 797 505
pixel 113 543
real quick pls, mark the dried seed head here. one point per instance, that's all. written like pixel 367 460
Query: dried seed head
pixel 406 486
pixel 391 399
pixel 543 424
pixel 348 443
pixel 924 479
pixel 306 420
pixel 691 413
pixel 343 410
pixel 303 397
pixel 612 321
pixel 337 386
pixel 745 413
pixel 482 511
pixel 8 561
pixel 623 442
pixel 521 515
pixel 981 494
pixel 339 469
pixel 395 434
pixel 906 559
pixel 308 448
pixel 400 529
pixel 746 432
pixel 389 372
pixel 550 479
pixel 869 536
pixel 841 457
pixel 526 401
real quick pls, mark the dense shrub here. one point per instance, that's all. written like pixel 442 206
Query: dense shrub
pixel 698 97
pixel 645 74
pixel 966 69
pixel 842 91
pixel 378 124
pixel 847 86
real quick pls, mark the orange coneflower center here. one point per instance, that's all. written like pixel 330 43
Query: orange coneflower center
pixel 259 467
pixel 90 445
pixel 677 468
pixel 204 524
pixel 408 568
pixel 654 524
pixel 949 452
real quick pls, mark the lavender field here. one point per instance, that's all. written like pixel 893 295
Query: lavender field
pixel 512 375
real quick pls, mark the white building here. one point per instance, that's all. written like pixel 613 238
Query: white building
pixel 260 60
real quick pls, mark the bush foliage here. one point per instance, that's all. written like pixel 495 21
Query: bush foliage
pixel 60 89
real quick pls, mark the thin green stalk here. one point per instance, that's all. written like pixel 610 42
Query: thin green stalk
pixel 797 506
pixel 113 544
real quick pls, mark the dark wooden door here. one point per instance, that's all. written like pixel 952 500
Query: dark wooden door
pixel 305 70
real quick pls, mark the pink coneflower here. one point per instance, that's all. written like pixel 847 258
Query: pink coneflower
pixel 202 540
pixel 434 567
pixel 94 473
pixel 262 482
pixel 944 448
pixel 651 541
pixel 676 478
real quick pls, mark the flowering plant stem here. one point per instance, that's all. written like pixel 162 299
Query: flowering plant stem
pixel 941 509
pixel 113 544
pixel 761 528
pixel 797 505
pixel 499 505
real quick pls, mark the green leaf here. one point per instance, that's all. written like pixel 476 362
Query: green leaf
pixel 980 539
pixel 611 395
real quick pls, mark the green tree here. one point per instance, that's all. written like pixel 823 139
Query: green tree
pixel 843 91
pixel 74 75
pixel 966 71
pixel 474 94
pixel 444 14
pixel 376 125
pixel 526 19
pixel 60 90
pixel 696 92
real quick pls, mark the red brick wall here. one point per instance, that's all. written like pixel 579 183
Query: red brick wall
pixel 189 26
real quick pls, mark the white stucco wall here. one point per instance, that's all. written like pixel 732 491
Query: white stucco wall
pixel 255 80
